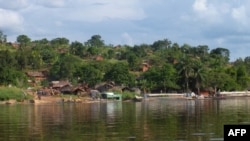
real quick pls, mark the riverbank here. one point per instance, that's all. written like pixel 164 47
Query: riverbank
pixel 13 95
pixel 74 99
pixel 50 100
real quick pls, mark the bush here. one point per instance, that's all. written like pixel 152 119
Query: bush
pixel 128 95
pixel 7 93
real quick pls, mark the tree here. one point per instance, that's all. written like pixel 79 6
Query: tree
pixel 7 59
pixel 172 54
pixel 247 64
pixel 77 48
pixel 143 85
pixel 199 74
pixel 202 50
pixel 152 77
pixel 43 41
pixel 93 51
pixel 48 55
pixel 22 59
pixel 35 59
pixel 3 37
pixel 242 78
pixel 133 61
pixel 161 78
pixel 64 68
pixel 103 66
pixel 222 52
pixel 119 73
pixel 11 76
pixel 184 66
pixel 217 62
pixel 140 51
pixel 23 40
pixel 168 76
pixel 9 73
pixel 89 74
pixel 218 79
pixel 161 44
pixel 111 54
pixel 60 41
pixel 186 49
pixel 95 41
pixel 231 83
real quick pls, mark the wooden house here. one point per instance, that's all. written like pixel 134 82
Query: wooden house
pixel 35 76
pixel 145 67
pixel 117 47
pixel 62 86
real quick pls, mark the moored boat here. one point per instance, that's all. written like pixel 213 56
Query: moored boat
pixel 138 98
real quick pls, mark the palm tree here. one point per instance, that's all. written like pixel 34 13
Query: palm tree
pixel 185 70
pixel 199 74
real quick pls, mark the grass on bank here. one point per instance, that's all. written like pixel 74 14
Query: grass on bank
pixel 7 93
pixel 128 95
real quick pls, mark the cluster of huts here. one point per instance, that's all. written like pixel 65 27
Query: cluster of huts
pixel 65 87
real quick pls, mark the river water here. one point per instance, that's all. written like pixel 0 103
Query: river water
pixel 158 119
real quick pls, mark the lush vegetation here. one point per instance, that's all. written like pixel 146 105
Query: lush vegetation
pixel 7 93
pixel 173 67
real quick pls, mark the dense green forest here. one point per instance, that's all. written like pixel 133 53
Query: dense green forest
pixel 172 67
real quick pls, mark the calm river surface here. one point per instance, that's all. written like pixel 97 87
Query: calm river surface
pixel 159 119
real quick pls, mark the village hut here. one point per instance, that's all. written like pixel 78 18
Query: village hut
pixel 62 86
pixel 103 87
pixel 35 76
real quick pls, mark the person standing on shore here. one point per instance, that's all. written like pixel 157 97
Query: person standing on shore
pixel 39 93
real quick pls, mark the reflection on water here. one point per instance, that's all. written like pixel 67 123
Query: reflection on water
pixel 158 119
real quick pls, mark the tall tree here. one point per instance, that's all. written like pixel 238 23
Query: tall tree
pixel 185 68
pixel 242 78
pixel 163 78
pixel 43 41
pixel 65 68
pixel 111 54
pixel 23 40
pixel 9 73
pixel 3 37
pixel 133 61
pixel 199 74
pixel 161 44
pixel 218 79
pixel 77 48
pixel 7 59
pixel 202 50
pixel 119 73
pixel 222 52
pixel 22 59
pixel 247 64
pixel 95 41
pixel 93 51
pixel 60 42
pixel 140 51
pixel 186 49
pixel 49 56
pixel 35 59
pixel 89 74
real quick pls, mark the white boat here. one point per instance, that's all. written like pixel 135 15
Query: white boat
pixel 138 98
